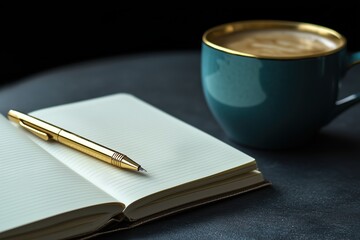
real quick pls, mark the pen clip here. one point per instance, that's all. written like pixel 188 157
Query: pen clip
pixel 38 133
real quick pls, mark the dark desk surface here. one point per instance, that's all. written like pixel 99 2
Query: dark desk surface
pixel 316 189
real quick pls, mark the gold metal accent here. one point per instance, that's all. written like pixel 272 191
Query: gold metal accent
pixel 212 36
pixel 124 161
pixel 48 131
pixel 116 159
pixel 38 127
pixel 38 133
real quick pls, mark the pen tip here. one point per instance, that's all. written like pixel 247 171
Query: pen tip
pixel 142 169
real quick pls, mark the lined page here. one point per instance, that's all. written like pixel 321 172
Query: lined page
pixel 34 185
pixel 171 151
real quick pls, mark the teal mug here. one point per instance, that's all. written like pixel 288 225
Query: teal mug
pixel 274 84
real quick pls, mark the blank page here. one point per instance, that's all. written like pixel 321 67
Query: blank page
pixel 34 185
pixel 172 151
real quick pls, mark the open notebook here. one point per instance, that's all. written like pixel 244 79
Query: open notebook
pixel 50 190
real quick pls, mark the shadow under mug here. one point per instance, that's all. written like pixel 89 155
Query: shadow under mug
pixel 273 102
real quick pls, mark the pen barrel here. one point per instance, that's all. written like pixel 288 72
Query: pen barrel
pixel 96 150
pixel 86 146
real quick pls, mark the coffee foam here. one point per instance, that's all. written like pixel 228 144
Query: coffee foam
pixel 278 43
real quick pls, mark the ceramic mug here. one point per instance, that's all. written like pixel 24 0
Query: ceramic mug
pixel 266 93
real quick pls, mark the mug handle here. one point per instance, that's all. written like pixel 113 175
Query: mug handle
pixel 345 103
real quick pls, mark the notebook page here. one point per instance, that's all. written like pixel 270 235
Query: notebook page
pixel 171 151
pixel 34 185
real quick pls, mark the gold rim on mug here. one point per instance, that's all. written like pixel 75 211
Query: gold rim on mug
pixel 210 36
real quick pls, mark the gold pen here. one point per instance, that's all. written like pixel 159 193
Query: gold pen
pixel 47 131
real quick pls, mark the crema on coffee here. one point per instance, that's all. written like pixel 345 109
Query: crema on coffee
pixel 278 43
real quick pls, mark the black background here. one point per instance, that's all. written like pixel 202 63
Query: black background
pixel 37 38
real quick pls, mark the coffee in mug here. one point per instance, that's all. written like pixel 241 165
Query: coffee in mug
pixel 274 84
pixel 279 43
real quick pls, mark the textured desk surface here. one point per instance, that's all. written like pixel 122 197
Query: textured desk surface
pixel 316 189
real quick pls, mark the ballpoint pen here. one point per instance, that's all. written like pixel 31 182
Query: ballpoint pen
pixel 47 131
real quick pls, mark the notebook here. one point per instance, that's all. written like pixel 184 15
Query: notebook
pixel 51 191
